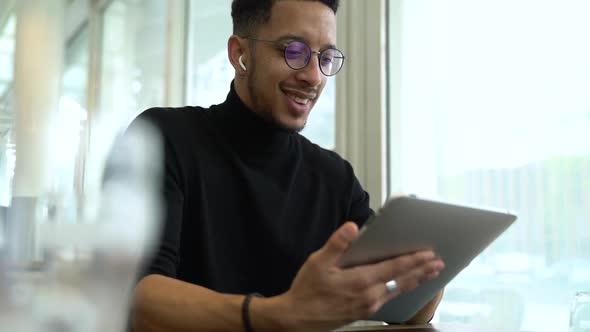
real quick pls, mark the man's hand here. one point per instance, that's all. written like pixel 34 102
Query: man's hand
pixel 324 296
pixel 425 314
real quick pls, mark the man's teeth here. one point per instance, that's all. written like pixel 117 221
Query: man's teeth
pixel 299 100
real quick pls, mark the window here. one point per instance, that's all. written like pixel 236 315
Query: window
pixel 489 106
pixel 131 76
pixel 210 72
pixel 7 148
pixel 70 121
pixel 7 35
pixel 75 77
pixel 132 59
pixel 321 124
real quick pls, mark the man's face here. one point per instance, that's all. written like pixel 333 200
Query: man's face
pixel 278 93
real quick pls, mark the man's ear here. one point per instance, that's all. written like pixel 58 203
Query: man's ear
pixel 236 48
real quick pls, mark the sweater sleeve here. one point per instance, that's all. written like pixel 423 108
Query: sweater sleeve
pixel 359 210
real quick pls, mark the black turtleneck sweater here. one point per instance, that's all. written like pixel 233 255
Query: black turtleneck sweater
pixel 246 202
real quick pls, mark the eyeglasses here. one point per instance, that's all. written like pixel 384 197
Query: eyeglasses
pixel 297 55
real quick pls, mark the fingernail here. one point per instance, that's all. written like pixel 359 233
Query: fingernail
pixel 430 255
pixel 348 232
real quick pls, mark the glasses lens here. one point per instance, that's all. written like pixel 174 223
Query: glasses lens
pixel 297 54
pixel 331 61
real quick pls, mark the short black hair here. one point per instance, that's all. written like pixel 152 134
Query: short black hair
pixel 248 15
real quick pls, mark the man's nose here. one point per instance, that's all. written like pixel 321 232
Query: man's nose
pixel 311 73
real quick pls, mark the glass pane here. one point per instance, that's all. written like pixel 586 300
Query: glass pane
pixel 493 110
pixel 7 34
pixel 7 116
pixel 321 124
pixel 72 116
pixel 209 69
pixel 75 78
pixel 210 72
pixel 133 59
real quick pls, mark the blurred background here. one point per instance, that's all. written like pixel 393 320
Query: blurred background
pixel 483 102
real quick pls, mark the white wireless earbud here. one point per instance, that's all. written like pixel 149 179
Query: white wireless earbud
pixel 242 63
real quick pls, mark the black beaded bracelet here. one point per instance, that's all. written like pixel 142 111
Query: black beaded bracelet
pixel 246 311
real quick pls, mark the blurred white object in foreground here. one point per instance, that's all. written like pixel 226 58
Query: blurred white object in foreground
pixel 88 269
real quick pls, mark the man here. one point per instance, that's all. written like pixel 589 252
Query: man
pixel 254 207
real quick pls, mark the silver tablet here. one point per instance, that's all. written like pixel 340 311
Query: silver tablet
pixel 405 224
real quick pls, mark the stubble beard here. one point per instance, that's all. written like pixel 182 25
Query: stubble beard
pixel 265 110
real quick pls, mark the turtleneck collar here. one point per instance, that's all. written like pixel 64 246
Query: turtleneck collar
pixel 247 131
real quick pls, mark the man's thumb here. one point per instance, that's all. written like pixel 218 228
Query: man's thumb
pixel 339 242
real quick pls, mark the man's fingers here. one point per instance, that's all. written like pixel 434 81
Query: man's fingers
pixel 338 243
pixel 414 277
pixel 403 264
pixel 408 271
